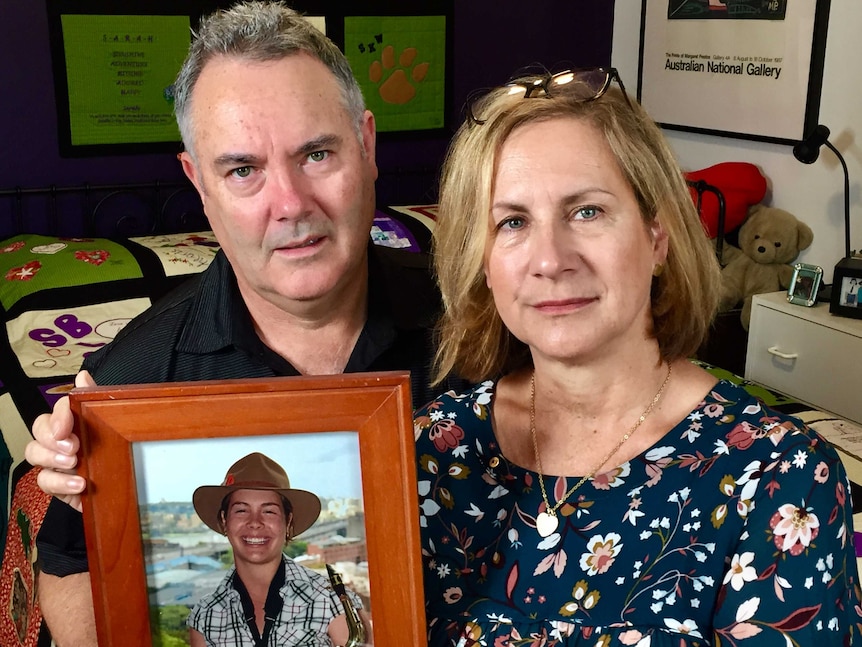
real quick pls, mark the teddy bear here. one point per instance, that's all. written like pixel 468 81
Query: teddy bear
pixel 769 240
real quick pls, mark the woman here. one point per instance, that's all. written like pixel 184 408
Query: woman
pixel 604 490
pixel 266 599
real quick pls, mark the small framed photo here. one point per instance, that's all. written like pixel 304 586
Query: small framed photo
pixel 345 440
pixel 805 284
pixel 847 288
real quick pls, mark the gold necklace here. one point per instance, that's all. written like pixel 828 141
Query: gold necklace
pixel 547 521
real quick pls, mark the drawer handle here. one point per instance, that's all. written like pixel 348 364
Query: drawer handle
pixel 773 350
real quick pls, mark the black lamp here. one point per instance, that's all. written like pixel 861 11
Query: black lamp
pixel 847 276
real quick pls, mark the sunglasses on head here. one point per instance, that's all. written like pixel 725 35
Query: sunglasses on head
pixel 582 85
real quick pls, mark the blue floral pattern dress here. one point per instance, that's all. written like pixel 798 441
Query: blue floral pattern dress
pixel 735 529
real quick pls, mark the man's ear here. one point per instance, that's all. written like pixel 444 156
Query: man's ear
pixel 192 173
pixel 368 131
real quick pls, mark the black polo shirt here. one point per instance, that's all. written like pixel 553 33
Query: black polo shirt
pixel 203 331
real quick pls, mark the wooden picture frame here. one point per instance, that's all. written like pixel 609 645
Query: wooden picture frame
pixel 735 68
pixel 377 406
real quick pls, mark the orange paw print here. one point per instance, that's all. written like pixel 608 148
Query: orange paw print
pixel 397 88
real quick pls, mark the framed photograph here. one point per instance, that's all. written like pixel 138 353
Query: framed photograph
pixel 847 288
pixel 804 284
pixel 750 69
pixel 143 444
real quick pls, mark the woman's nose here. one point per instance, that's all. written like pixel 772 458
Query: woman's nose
pixel 550 250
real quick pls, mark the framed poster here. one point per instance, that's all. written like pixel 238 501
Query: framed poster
pixel 373 408
pixel 400 63
pixel 114 70
pixel 114 66
pixel 401 56
pixel 751 69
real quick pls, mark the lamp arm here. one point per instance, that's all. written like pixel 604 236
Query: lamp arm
pixel 846 197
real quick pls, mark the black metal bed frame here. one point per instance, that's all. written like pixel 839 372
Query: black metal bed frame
pixel 138 209
pixel 110 210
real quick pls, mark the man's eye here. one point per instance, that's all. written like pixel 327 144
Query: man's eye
pixel 242 171
pixel 318 156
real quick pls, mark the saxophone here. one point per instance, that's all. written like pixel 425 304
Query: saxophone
pixel 355 628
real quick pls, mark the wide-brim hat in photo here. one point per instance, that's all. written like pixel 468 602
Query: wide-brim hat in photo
pixel 256 472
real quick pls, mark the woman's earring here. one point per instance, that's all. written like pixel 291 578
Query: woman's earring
pixel 658 269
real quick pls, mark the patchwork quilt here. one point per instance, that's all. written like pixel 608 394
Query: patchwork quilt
pixel 62 298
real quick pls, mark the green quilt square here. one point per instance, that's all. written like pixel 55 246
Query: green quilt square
pixel 31 263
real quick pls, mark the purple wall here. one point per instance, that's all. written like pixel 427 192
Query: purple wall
pixel 492 39
pixel 28 119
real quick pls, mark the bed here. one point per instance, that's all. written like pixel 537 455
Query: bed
pixel 78 263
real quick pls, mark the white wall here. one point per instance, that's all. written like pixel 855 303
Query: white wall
pixel 813 193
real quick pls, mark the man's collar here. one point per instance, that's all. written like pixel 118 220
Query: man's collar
pixel 219 317
pixel 217 311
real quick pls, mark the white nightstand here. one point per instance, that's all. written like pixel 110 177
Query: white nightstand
pixel 807 353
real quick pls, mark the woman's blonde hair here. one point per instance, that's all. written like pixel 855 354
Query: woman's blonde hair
pixel 473 341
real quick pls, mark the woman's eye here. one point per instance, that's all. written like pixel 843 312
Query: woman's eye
pixel 512 223
pixel 318 156
pixel 586 213
pixel 242 171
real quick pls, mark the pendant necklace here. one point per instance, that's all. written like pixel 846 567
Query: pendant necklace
pixel 547 521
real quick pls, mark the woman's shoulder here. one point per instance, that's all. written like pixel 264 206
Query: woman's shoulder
pixel 735 400
pixel 476 398
pixel 449 420
pixel 742 419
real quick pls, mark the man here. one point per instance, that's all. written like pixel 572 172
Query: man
pixel 281 150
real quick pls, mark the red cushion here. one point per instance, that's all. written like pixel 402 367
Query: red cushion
pixel 742 185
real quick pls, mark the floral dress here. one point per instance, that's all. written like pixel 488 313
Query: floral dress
pixel 734 529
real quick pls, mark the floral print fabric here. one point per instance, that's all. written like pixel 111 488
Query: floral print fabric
pixel 734 529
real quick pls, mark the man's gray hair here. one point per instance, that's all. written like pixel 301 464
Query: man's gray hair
pixel 259 31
